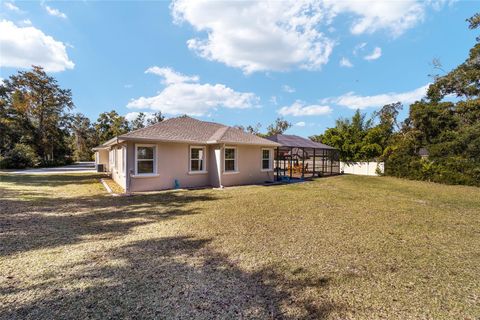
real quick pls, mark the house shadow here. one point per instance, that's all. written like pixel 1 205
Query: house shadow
pixel 171 278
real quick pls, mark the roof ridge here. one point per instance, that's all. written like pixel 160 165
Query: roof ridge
pixel 219 133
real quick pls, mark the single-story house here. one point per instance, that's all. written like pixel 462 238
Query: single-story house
pixel 185 153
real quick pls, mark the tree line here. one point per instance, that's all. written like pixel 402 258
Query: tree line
pixel 39 128
pixel 439 140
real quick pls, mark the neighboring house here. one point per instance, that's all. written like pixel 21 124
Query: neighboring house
pixel 185 153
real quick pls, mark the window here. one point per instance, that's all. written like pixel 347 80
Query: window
pixel 197 159
pixel 230 159
pixel 145 159
pixel 266 160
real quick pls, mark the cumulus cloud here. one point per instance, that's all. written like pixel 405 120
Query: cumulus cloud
pixel 300 124
pixel 257 36
pixel 24 46
pixel 283 35
pixel 288 89
pixel 354 101
pixel 344 62
pixel 55 12
pixel 184 95
pixel 376 53
pixel 170 76
pixel 11 6
pixel 394 16
pixel 299 108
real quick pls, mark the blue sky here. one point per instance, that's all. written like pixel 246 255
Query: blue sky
pixel 237 62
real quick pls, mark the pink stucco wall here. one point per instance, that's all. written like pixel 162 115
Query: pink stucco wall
pixel 173 164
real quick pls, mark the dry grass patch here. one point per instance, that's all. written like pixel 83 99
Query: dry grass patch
pixel 342 247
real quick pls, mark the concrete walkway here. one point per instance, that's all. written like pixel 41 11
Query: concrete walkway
pixel 79 167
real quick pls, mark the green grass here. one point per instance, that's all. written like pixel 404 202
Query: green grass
pixel 341 247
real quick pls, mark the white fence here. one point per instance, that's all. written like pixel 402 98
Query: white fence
pixel 362 168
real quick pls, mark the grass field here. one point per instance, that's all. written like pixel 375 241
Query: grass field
pixel 341 247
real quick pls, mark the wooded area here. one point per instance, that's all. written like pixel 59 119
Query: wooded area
pixel 38 127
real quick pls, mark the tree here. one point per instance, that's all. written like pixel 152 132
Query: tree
pixel 138 122
pixel 357 139
pixel 450 131
pixel 109 125
pixel 155 118
pixel 278 127
pixel 36 113
pixel 83 137
pixel 255 129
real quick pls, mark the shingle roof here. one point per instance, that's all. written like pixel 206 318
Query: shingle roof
pixel 187 129
pixel 286 140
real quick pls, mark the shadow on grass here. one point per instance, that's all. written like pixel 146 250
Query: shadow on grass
pixel 172 278
pixel 31 220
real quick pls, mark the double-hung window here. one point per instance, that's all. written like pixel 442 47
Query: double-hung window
pixel 145 159
pixel 197 159
pixel 266 159
pixel 230 156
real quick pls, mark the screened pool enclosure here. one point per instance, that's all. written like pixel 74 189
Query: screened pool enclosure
pixel 300 158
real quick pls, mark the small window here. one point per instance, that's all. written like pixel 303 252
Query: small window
pixel 145 156
pixel 197 159
pixel 266 159
pixel 230 159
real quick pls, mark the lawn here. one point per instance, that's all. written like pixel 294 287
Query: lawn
pixel 341 247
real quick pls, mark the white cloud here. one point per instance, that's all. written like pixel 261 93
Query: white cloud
pixel 26 22
pixel 376 53
pixel 344 62
pixel 24 46
pixel 134 114
pixel 283 35
pixel 257 36
pixel 288 89
pixel 171 76
pixel 11 6
pixel 273 100
pixel 300 124
pixel 359 47
pixel 55 12
pixel 393 16
pixel 298 108
pixel 354 101
pixel 184 95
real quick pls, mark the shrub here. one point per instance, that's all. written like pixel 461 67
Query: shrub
pixel 20 157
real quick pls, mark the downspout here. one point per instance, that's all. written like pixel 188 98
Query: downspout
pixel 218 159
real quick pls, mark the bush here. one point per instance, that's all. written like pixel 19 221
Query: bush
pixel 20 157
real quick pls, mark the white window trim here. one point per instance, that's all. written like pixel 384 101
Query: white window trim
pixel 270 160
pixel 190 171
pixel 154 173
pixel 235 159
